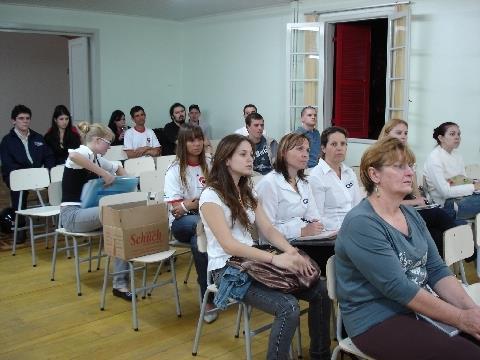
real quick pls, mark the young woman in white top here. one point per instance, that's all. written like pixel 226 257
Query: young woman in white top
pixel 184 181
pixel 228 209
pixel 436 219
pixel 444 163
pixel 82 165
pixel 334 185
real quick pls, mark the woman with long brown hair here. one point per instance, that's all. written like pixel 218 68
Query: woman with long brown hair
pixel 229 209
pixel 184 181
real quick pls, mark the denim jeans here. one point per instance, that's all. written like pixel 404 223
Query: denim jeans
pixel 286 310
pixel 468 206
pixel 185 230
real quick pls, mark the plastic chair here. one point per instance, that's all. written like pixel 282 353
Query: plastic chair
pixel 32 179
pixel 56 173
pixel 473 171
pixel 162 163
pixel 458 245
pixel 134 167
pixel 214 144
pixel 344 344
pixel 144 260
pixel 116 153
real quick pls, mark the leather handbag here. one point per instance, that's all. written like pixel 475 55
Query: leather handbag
pixel 274 277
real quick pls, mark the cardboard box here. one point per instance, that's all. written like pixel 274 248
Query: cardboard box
pixel 135 229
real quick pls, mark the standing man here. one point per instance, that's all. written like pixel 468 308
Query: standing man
pixel 309 122
pixel 23 148
pixel 177 114
pixel 247 110
pixel 140 140
pixel 265 148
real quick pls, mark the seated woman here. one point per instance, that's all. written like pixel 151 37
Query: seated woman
pixel 334 185
pixel 287 198
pixel 441 167
pixel 387 265
pixel 228 209
pixel 82 165
pixel 184 181
pixel 62 135
pixel 436 219
pixel 118 126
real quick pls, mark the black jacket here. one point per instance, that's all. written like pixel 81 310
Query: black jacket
pixel 71 140
pixel 14 156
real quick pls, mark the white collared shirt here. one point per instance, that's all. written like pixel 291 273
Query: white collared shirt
pixel 286 208
pixel 440 166
pixel 24 140
pixel 334 197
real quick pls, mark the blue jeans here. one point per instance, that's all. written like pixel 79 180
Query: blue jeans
pixel 286 310
pixel 185 230
pixel 468 206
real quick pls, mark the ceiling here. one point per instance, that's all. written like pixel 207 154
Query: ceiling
pixel 163 9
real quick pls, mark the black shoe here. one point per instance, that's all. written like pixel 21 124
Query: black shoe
pixel 125 295
pixel 21 237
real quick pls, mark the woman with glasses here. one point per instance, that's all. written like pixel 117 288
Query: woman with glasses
pixel 118 126
pixel 62 135
pixel 82 165
pixel 436 219
pixel 387 265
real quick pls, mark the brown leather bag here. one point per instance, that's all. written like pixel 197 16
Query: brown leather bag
pixel 275 277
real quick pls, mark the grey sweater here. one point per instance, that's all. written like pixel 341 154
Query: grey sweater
pixel 379 270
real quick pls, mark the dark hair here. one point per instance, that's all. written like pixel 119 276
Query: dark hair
pixel 193 106
pixel 116 116
pixel 20 109
pixel 442 130
pixel 247 106
pixel 173 108
pixel 189 132
pixel 136 109
pixel 326 135
pixel 252 116
pixel 70 131
pixel 306 108
pixel 288 142
pixel 222 182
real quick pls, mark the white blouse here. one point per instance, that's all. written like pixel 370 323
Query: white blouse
pixel 217 257
pixel 334 196
pixel 288 210
pixel 440 166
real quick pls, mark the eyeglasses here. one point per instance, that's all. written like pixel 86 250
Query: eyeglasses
pixel 108 142
pixel 403 167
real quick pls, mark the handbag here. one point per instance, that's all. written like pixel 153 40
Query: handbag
pixel 274 277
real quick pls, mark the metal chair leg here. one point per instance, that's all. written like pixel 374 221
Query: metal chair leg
pixel 175 287
pixel 105 282
pixel 99 254
pixel 237 322
pixel 15 231
pixel 54 257
pixel 89 254
pixel 198 332
pixel 77 265
pixel 155 277
pixel 144 281
pixel 187 275
pixel 246 328
pixel 32 242
pixel 134 295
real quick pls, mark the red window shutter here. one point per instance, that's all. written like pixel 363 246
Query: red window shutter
pixel 352 78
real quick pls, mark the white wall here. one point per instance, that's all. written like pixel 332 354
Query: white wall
pixel 138 58
pixel 33 72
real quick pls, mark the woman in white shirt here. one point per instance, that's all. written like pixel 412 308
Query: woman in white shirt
pixel 83 164
pixel 442 165
pixel 184 181
pixel 228 209
pixel 334 185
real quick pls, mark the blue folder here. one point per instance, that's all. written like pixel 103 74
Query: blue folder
pixel 95 189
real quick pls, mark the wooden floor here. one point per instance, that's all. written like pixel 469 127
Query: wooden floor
pixel 43 319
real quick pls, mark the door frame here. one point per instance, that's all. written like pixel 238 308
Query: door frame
pixel 94 54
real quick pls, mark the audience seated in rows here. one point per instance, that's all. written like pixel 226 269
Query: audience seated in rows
pixel 140 140
pixel 247 110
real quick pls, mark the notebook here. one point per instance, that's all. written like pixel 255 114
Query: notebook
pixel 94 189
pixel 447 329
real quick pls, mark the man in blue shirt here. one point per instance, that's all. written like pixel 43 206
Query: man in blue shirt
pixel 309 123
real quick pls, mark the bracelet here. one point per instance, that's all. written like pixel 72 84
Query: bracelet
pixel 184 207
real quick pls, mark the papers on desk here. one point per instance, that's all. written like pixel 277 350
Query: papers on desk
pixel 447 329
pixel 324 235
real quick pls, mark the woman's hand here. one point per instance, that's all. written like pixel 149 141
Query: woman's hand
pixel 177 210
pixel 293 262
pixel 108 179
pixel 313 228
pixel 419 201
pixel 469 321
pixel 122 135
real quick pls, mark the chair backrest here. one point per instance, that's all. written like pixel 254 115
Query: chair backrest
pixel 457 244
pixel 153 181
pixel 256 179
pixel 473 171
pixel 121 199
pixel 164 162
pixel 55 193
pixel 331 281
pixel 425 188
pixel 29 179
pixel 56 173
pixel 134 167
pixel 214 144
pixel 116 153
pixel 477 230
